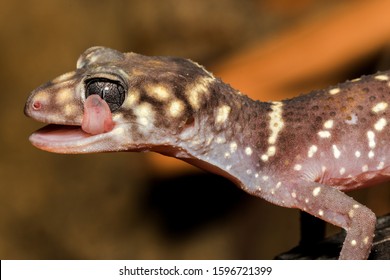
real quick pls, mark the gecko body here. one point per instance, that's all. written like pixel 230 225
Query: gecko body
pixel 299 153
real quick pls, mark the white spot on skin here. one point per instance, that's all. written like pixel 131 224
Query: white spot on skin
pixel 176 108
pixel 270 153
pixel 328 124
pixel 249 172
pixel 197 91
pixel 233 147
pixel 307 200
pixel 336 151
pixel 365 240
pixel 371 154
pixel 357 154
pixel 334 91
pixel 352 120
pixel 228 167
pixel 324 134
pixel 278 185
pixel 248 151
pixel 70 109
pixel 381 106
pixel 356 206
pixel 119 131
pixel 323 168
pixel 64 96
pixel 227 155
pixel 265 178
pixel 293 194
pixel 222 114
pixel 382 77
pixel 365 168
pixel 117 117
pixel 353 242
pixel 312 150
pixel 145 116
pixel 342 171
pixel 316 191
pixel 220 140
pixel 297 167
pixel 276 123
pixel 320 212
pixel 380 124
pixel 371 139
pixel 380 165
pixel 351 213
pixel 158 92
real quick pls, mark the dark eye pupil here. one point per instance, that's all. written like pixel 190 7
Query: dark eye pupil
pixel 111 91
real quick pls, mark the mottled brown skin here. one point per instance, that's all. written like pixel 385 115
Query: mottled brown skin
pixel 299 153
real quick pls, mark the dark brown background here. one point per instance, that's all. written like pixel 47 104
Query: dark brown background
pixel 132 206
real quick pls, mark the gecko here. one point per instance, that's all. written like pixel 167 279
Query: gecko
pixel 304 152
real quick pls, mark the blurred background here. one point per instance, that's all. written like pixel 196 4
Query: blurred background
pixel 142 206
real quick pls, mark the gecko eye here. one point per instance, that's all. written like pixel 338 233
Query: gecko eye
pixel 111 91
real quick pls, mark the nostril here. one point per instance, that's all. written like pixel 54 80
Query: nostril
pixel 37 105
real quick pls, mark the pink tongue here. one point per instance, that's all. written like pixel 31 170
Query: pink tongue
pixel 97 116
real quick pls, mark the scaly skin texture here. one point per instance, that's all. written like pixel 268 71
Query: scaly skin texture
pixel 298 153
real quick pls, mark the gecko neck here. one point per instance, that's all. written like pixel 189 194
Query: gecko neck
pixel 226 135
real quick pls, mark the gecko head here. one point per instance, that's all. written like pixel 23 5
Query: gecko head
pixel 150 103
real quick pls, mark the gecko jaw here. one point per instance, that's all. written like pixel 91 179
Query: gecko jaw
pixel 71 139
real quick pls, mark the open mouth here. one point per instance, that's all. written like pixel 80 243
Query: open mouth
pixel 63 138
pixel 59 133
pixel 73 137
